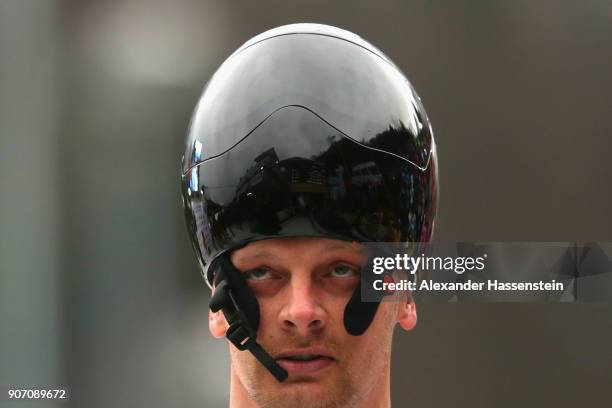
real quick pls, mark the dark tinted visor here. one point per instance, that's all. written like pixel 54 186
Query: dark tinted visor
pixel 295 175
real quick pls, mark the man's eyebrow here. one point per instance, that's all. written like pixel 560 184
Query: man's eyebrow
pixel 351 246
pixel 256 254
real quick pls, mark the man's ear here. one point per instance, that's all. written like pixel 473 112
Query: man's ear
pixel 217 325
pixel 407 314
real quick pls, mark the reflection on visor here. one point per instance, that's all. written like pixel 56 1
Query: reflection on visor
pixel 295 175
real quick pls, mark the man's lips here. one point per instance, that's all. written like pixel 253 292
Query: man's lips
pixel 305 361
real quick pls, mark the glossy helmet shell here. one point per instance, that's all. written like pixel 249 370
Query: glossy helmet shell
pixel 308 130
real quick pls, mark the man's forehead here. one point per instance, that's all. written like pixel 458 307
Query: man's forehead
pixel 278 247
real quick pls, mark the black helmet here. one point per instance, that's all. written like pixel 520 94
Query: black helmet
pixel 306 130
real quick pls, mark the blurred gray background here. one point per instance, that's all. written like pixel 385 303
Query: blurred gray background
pixel 99 290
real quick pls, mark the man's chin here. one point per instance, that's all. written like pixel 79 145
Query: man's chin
pixel 308 394
pixel 307 391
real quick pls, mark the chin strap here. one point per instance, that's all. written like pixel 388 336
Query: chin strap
pixel 240 333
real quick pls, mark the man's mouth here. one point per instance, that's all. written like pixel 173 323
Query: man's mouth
pixel 303 357
pixel 301 362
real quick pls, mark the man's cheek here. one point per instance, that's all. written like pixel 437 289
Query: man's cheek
pixel 246 366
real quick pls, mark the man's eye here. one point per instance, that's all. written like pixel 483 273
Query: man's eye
pixel 258 274
pixel 344 271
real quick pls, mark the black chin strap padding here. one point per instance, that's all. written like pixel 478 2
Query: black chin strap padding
pixel 358 315
pixel 240 332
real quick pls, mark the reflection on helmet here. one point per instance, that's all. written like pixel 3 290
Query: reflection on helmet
pixel 296 175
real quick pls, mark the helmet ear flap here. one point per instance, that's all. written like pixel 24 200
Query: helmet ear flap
pixel 359 313
pixel 224 270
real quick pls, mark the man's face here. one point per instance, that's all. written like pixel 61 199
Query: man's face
pixel 302 286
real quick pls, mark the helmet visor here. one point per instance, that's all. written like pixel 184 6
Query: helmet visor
pixel 296 175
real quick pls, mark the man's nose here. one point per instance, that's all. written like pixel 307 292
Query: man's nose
pixel 303 313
